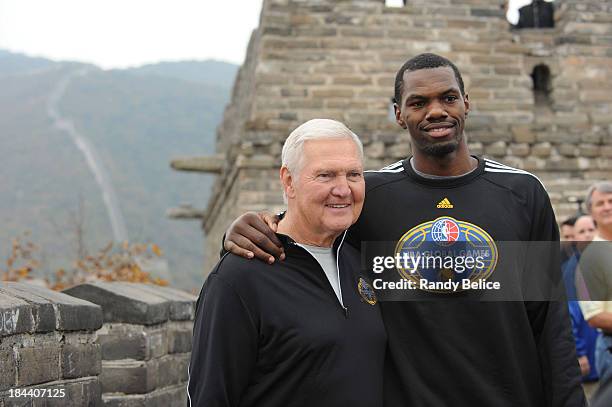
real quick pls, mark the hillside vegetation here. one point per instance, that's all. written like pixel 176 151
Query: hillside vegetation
pixel 137 120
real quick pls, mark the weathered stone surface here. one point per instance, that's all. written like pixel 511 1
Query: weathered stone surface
pixel 172 369
pixel 15 315
pixel 80 359
pixel 122 341
pixel 71 313
pixel 128 376
pixel 43 314
pixel 7 361
pixel 179 337
pixel 76 393
pixel 541 149
pixel 37 364
pixel 182 306
pixel 496 149
pixel 124 302
pixel 520 149
pixel 172 396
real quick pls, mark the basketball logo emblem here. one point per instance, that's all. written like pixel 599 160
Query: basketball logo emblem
pixel 366 291
pixel 445 231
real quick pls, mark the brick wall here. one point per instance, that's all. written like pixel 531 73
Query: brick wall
pixel 111 344
pixel 48 341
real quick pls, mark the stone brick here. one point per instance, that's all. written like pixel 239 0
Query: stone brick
pixel 606 151
pixel 7 361
pixel 332 93
pixel 590 137
pixel 289 116
pixel 80 360
pixel 124 302
pixel 361 32
pixel 541 149
pixel 496 149
pixel 122 341
pixel 131 400
pixel 352 80
pixel 520 149
pixel 476 148
pixel 375 150
pixel 157 341
pixel 71 314
pixel 43 313
pixel 78 392
pixel 523 134
pixel 172 369
pixel 568 150
pixel 37 364
pixel 306 104
pixel 487 12
pixel 15 315
pixel 174 396
pixel 179 338
pixel 310 80
pixel 589 150
pixel 127 376
pixel 296 92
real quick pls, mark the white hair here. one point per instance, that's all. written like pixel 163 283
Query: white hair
pixel 604 187
pixel 315 129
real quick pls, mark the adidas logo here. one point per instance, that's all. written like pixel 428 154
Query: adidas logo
pixel 445 204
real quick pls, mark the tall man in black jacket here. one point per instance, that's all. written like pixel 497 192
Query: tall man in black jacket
pixel 462 353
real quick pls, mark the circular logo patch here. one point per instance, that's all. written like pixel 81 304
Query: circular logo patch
pixel 446 249
pixel 366 291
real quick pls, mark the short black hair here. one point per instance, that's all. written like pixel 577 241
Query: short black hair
pixel 570 221
pixel 424 61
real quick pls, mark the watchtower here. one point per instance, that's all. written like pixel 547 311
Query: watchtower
pixel 540 96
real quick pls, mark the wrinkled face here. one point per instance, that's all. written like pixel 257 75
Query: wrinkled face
pixel 433 110
pixel 584 229
pixel 329 189
pixel 601 209
pixel 567 233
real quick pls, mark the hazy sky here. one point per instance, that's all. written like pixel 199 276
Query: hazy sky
pixel 120 33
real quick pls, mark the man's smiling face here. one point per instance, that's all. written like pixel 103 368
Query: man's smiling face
pixel 433 110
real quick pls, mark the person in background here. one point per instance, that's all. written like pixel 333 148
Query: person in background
pixel 595 272
pixel 584 335
pixel 566 231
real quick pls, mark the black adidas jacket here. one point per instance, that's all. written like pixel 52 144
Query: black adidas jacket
pixel 469 353
pixel 277 336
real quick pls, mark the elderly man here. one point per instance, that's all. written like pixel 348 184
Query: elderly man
pixel 459 353
pixel 596 270
pixel 306 331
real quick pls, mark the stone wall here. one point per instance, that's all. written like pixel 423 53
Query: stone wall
pixel 111 344
pixel 48 341
pixel 145 342
pixel 338 59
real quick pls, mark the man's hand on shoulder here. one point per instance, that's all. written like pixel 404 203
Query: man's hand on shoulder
pixel 253 235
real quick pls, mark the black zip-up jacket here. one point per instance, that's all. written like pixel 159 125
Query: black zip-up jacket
pixel 277 336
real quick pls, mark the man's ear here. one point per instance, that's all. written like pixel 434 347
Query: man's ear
pixel 287 181
pixel 398 118
pixel 466 103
